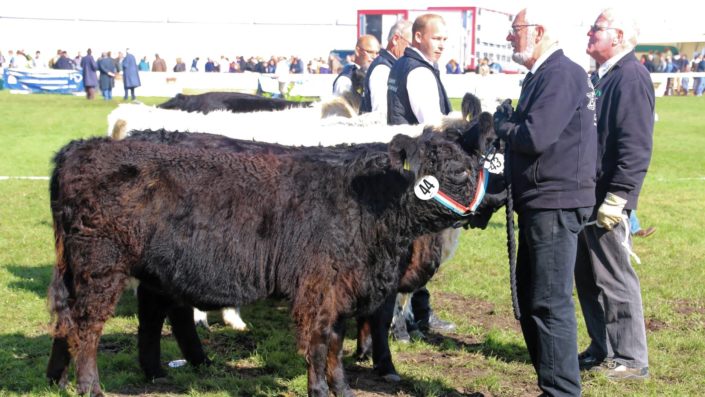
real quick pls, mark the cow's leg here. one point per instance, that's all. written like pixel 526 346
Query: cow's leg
pixel 151 313
pixel 231 317
pixel 57 369
pixel 335 373
pixel 316 357
pixel 184 329
pixel 380 321
pixel 97 294
pixel 364 339
pixel 200 318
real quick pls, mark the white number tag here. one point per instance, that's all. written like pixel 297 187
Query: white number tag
pixel 426 187
pixel 496 165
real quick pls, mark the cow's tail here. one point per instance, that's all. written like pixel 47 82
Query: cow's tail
pixel 60 294
pixel 60 290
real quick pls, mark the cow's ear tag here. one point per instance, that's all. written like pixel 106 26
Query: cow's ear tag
pixel 426 187
pixel 495 164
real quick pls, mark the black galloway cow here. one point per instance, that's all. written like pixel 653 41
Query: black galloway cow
pixel 235 102
pixel 421 260
pixel 213 229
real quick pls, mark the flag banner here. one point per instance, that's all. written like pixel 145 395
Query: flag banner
pixel 43 81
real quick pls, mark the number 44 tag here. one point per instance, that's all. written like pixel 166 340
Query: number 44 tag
pixel 426 187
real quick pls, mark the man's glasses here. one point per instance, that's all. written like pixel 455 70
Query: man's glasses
pixel 516 28
pixel 369 52
pixel 595 28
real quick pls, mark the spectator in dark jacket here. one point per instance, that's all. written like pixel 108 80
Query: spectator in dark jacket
pixel 608 286
pixel 107 68
pixel 88 70
pixel 552 142
pixel 180 65
pixel 64 62
pixel 131 75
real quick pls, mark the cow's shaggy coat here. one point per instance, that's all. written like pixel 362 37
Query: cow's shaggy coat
pixel 325 228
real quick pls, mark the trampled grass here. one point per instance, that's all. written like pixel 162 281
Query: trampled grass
pixel 486 354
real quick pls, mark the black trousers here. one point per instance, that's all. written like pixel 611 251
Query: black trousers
pixel 548 241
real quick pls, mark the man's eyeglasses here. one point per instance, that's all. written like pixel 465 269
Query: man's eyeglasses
pixel 595 28
pixel 369 52
pixel 516 28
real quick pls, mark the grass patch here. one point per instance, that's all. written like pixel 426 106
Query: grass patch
pixel 486 355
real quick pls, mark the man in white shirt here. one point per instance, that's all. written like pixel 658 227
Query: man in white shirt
pixel 415 92
pixel 366 51
pixel 375 98
pixel 415 95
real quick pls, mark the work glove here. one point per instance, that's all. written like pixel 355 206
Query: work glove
pixel 501 118
pixel 610 212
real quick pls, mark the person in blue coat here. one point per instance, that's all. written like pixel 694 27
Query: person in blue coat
pixel 106 66
pixel 131 74
pixel 90 78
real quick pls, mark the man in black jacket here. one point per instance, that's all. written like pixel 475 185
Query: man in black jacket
pixel 552 141
pixel 415 93
pixel 375 98
pixel 366 50
pixel 608 286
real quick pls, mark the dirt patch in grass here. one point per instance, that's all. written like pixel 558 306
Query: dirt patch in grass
pixel 455 362
pixel 478 312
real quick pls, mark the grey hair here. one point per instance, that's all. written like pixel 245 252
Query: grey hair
pixel 547 17
pixel 624 21
pixel 402 28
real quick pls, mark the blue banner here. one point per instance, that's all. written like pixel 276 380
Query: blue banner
pixel 43 81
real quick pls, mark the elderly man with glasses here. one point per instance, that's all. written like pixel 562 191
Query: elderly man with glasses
pixel 366 51
pixel 375 99
pixel 608 287
pixel 551 141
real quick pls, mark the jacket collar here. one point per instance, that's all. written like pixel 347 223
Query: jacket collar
pixel 549 54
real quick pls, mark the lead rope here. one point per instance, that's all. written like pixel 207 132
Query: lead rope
pixel 625 243
pixel 511 241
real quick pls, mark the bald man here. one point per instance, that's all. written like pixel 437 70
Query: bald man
pixel 366 51
pixel 415 92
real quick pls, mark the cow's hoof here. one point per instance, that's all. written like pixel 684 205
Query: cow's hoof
pixel 391 378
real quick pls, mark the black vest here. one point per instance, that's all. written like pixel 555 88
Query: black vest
pixel 398 105
pixel 347 71
pixel 384 58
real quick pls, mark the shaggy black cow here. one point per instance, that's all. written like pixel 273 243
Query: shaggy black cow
pixel 213 229
pixel 421 260
pixel 235 102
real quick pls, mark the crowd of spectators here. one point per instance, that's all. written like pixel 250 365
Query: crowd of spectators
pixel 668 62
pixel 224 64
pixel 655 62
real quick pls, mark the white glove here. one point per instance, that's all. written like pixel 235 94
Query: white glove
pixel 610 212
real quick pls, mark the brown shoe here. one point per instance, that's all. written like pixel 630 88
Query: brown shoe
pixel 646 232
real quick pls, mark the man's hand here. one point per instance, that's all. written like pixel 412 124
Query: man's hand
pixel 501 119
pixel 610 212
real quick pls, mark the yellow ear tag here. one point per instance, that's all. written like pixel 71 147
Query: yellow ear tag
pixel 407 167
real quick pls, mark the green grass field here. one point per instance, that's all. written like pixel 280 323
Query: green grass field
pixel 485 355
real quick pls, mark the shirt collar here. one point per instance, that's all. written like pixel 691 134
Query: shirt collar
pixel 422 55
pixel 605 67
pixel 553 48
